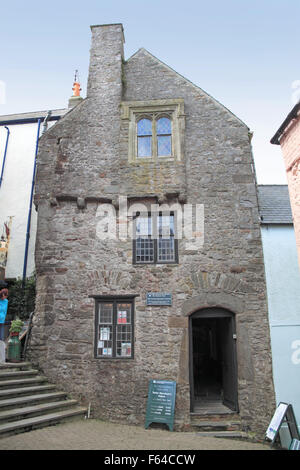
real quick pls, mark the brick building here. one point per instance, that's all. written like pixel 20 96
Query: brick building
pixel 148 150
pixel 288 137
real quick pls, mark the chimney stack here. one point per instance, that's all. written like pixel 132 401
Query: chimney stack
pixel 76 98
pixel 106 56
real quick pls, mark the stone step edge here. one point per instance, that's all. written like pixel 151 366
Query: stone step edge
pixel 41 420
pixel 212 413
pixel 18 391
pixel 14 365
pixel 16 382
pixel 31 398
pixel 36 408
pixel 223 434
pixel 19 373
pixel 214 424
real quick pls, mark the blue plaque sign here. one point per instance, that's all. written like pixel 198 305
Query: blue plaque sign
pixel 159 298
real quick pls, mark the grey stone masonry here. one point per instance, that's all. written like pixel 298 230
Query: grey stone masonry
pixel 85 162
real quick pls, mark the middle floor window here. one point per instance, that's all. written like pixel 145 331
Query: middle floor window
pixel 154 239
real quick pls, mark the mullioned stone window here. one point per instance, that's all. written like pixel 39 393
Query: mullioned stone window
pixel 155 239
pixel 155 130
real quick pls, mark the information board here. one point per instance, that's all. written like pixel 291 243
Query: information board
pixel 161 403
pixel 159 298
pixel 284 412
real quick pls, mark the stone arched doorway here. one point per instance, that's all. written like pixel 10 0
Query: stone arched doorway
pixel 213 362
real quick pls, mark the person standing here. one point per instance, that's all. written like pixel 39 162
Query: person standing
pixel 3 311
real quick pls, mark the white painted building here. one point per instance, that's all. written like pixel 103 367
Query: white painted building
pixel 283 290
pixel 18 142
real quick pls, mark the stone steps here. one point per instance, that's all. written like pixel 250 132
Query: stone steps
pixel 11 414
pixel 217 425
pixel 18 374
pixel 28 399
pixel 28 402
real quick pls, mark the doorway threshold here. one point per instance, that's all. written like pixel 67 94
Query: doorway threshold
pixel 211 407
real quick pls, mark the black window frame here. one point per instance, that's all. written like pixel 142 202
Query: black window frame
pixel 115 300
pixel 155 237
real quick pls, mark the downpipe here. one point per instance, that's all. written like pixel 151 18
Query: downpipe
pixel 30 206
pixel 4 157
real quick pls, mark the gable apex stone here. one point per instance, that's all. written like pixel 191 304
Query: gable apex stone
pixel 142 51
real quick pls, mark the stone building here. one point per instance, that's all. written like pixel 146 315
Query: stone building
pixel 150 152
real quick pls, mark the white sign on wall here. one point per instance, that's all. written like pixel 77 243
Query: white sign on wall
pixel 296 354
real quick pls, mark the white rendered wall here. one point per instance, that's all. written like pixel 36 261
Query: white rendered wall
pixel 283 289
pixel 15 194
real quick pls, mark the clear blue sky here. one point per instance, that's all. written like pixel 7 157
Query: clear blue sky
pixel 243 53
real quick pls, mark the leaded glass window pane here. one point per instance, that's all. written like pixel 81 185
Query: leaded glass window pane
pixel 144 140
pixel 166 225
pixel 164 140
pixel 163 126
pixel 166 243
pixel 143 225
pixel 124 330
pixel 105 313
pixel 144 250
pixel 144 244
pixel 123 313
pixel 105 331
pixel 144 146
pixel 164 145
pixel 144 127
pixel 166 249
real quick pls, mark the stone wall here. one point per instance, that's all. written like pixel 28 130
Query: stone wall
pixel 83 162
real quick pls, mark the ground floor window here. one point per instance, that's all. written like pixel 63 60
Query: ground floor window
pixel 114 328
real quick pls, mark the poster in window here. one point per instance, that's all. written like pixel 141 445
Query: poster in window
pixel 106 352
pixel 126 349
pixel 104 334
pixel 122 316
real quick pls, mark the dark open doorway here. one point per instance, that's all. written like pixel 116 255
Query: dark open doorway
pixel 213 370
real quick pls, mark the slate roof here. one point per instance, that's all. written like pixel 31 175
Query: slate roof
pixel 30 117
pixel 274 204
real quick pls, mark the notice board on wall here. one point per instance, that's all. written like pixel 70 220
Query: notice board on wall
pixel 159 298
pixel 161 403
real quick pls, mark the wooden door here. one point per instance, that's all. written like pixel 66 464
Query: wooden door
pixel 229 372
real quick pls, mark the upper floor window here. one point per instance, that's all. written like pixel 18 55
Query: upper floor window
pixel 155 129
pixel 144 138
pixel 154 137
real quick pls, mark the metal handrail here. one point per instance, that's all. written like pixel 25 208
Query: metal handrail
pixel 6 329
